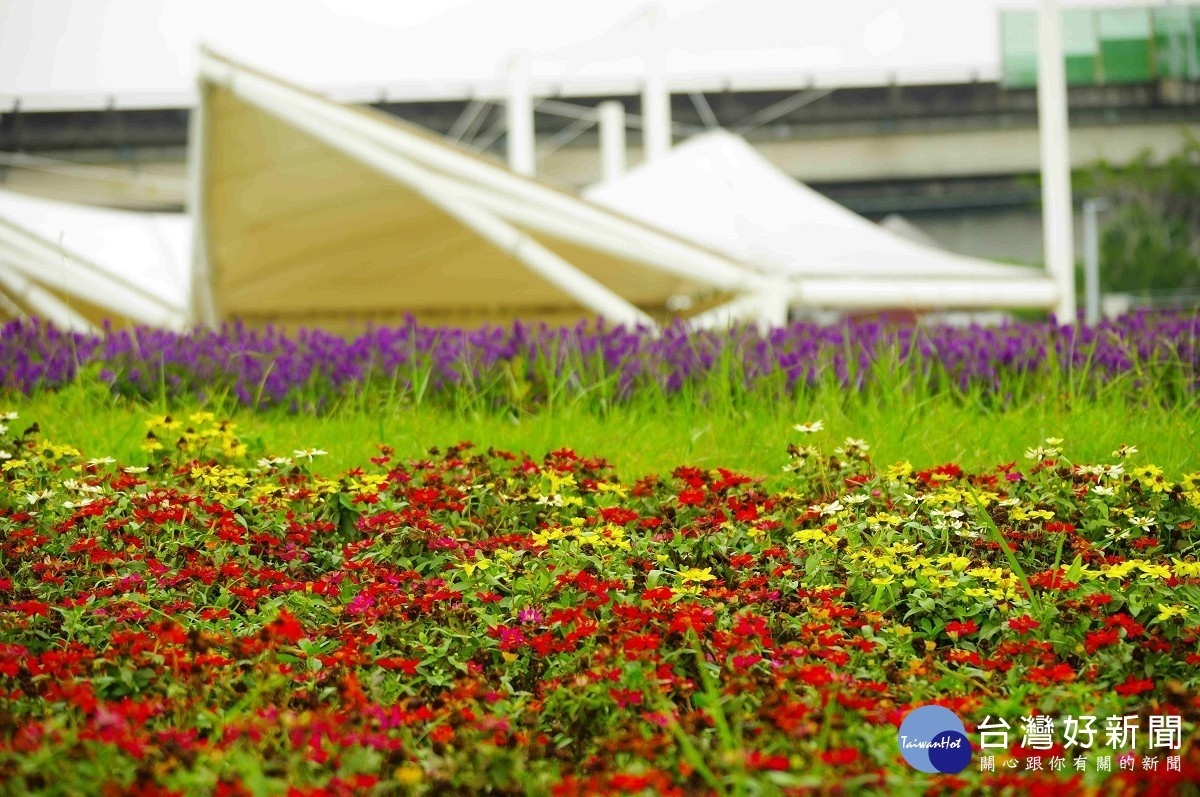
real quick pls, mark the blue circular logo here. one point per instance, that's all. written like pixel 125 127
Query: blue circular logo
pixel 933 739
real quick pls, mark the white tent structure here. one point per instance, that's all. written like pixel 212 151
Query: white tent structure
pixel 717 190
pixel 308 211
pixel 77 265
pixel 304 211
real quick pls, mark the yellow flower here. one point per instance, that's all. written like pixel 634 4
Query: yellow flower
pixel 1119 571
pixel 409 775
pixel 368 484
pixel 986 573
pixel 545 537
pixel 1185 569
pixel 557 482
pixel 1147 472
pixel 809 535
pixel 956 563
pixel 1155 571
pixel 696 574
pixel 481 564
pixel 1167 611
pixel 883 580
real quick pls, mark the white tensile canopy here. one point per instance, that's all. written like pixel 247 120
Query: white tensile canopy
pixel 717 190
pixel 77 265
pixel 308 211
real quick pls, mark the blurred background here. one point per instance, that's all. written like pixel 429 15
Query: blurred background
pixel 921 115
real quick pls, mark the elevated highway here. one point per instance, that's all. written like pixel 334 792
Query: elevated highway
pixel 953 157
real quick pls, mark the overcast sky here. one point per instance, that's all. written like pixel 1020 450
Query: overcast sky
pixel 64 53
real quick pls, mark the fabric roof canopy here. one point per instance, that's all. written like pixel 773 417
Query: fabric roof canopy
pixel 313 212
pixel 717 190
pixel 78 265
pixel 307 212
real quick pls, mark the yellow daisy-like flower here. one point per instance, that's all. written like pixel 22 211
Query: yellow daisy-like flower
pixel 1167 611
pixel 956 563
pixel 809 535
pixel 479 564
pixel 1185 569
pixel 696 574
pixel 1154 570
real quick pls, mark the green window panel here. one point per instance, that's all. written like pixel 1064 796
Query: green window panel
pixel 1081 46
pixel 1018 48
pixel 1109 45
pixel 1174 35
pixel 1125 51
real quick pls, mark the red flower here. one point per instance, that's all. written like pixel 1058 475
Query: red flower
pixel 957 628
pixel 658 594
pixel 815 675
pixel 762 761
pixel 1023 624
pixel 618 515
pixel 1058 673
pixel 287 627
pixel 409 666
pixel 1133 687
pixel 626 697
pixel 692 497
pixel 840 757
pixel 1095 640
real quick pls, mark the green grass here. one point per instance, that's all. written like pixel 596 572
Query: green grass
pixel 748 433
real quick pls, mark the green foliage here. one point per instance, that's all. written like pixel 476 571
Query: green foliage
pixel 1151 235
pixel 653 435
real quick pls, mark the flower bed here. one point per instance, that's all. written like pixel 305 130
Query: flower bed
pixel 522 365
pixel 217 620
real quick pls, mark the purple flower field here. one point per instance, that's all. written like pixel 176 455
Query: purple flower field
pixel 306 370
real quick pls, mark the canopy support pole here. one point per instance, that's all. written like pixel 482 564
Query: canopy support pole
pixel 201 307
pixel 1091 258
pixel 773 310
pixel 656 94
pixel 518 110
pixel 612 139
pixel 1057 217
